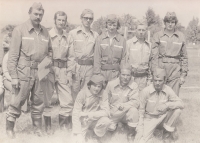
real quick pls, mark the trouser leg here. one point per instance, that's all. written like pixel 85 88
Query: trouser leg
pixel 175 85
pixel 101 126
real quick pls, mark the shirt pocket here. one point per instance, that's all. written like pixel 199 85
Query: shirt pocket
pixel 45 46
pixel 104 49
pixel 28 45
pixel 150 107
pixel 162 47
pixel 78 44
pixel 23 72
pixel 118 51
pixel 176 48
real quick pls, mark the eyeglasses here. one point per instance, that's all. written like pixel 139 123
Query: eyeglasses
pixel 88 18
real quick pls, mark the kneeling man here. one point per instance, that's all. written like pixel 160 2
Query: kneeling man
pixel 159 105
pixel 91 109
pixel 124 101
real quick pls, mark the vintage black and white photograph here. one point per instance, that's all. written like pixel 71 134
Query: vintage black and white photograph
pixel 99 71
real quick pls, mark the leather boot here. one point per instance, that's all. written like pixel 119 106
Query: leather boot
pixel 63 120
pixel 37 124
pixel 47 121
pixel 166 136
pixel 131 134
pixel 9 129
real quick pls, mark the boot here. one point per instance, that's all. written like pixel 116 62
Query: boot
pixel 63 122
pixel 166 136
pixel 37 124
pixel 9 129
pixel 131 134
pixel 47 121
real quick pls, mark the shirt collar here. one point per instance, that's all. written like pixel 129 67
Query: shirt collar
pixel 176 33
pixel 135 39
pixel 53 33
pixel 30 26
pixel 117 36
pixel 80 28
pixel 152 89
pixel 130 84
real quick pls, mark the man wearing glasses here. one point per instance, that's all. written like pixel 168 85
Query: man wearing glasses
pixel 82 39
pixel 109 50
pixel 169 52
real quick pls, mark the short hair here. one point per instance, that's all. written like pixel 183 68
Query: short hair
pixel 170 18
pixel 30 10
pixel 92 83
pixel 118 24
pixel 60 13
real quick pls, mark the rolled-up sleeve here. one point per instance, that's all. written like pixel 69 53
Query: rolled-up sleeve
pixel 14 52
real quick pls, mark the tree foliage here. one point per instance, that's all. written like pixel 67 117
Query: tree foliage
pixel 193 31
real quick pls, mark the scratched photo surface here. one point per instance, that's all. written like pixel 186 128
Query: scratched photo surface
pixel 15 12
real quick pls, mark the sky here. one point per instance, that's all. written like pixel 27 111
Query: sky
pixel 16 11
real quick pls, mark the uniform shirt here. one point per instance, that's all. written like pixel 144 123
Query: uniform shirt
pixel 138 55
pixel 96 105
pixel 106 53
pixel 27 43
pixel 171 46
pixel 150 99
pixel 127 95
pixel 4 67
pixel 61 49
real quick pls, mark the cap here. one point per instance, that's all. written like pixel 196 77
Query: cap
pixel 171 14
pixel 98 79
pixel 37 6
pixel 112 18
pixel 159 73
pixel 142 22
pixel 86 11
pixel 126 66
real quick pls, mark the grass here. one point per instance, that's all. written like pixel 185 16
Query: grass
pixel 188 127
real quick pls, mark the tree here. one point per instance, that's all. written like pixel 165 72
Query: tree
pixel 193 31
pixel 99 25
pixel 129 21
pixel 154 21
pixel 179 27
pixel 70 27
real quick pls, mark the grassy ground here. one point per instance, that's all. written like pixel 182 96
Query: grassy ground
pixel 188 127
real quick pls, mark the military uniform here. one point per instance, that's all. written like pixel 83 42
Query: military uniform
pixel 28 48
pixel 128 96
pixel 138 55
pixel 108 56
pixel 83 44
pixel 94 105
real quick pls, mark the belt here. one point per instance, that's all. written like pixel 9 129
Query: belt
pixel 170 60
pixel 139 74
pixel 84 62
pixel 60 63
pixel 110 67
pixel 31 64
pixel 152 116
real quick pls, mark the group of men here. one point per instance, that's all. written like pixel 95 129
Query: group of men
pixel 100 80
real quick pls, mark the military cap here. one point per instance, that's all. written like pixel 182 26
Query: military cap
pixel 112 18
pixel 37 6
pixel 126 66
pixel 86 11
pixel 142 22
pixel 98 79
pixel 171 14
pixel 159 73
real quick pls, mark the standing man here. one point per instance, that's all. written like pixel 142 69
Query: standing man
pixel 30 44
pixel 169 52
pixel 63 59
pixel 138 55
pixel 82 39
pixel 110 50
pixel 159 104
pixel 91 110
pixel 123 100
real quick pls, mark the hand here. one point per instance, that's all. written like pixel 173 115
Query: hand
pixel 121 107
pixel 162 107
pixel 15 83
pixel 182 80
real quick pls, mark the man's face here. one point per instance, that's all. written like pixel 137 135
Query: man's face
pixel 87 20
pixel 112 27
pixel 60 21
pixel 170 25
pixel 125 77
pixel 36 16
pixel 158 82
pixel 95 88
pixel 141 31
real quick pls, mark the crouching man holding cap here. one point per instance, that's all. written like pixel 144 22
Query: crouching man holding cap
pixel 159 105
pixel 123 100
pixel 91 110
